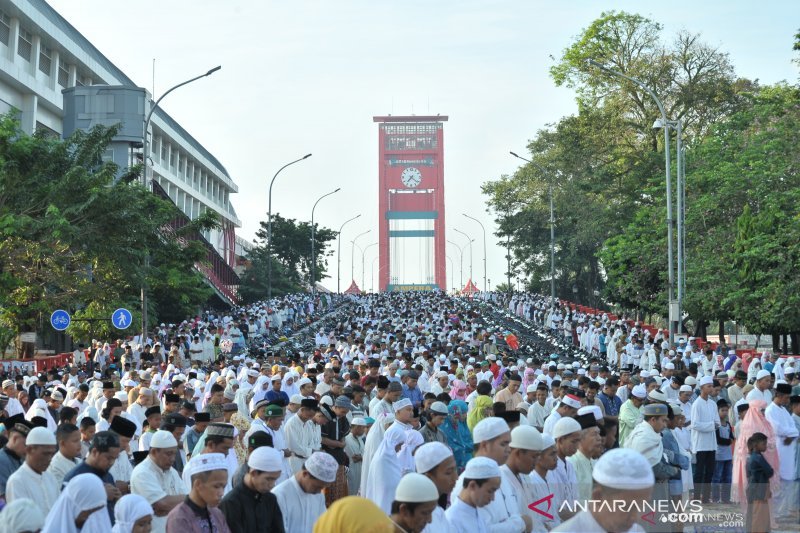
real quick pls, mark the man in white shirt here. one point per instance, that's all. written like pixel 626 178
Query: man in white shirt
pixel 302 434
pixel 761 390
pixel 620 474
pixel 705 421
pixel 156 481
pixel 32 480
pixel 68 437
pixel 786 434
pixel 300 497
pixel 13 407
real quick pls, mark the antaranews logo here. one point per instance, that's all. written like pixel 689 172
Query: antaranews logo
pixel 650 511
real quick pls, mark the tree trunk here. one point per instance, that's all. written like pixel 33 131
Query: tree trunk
pixel 721 332
pixel 793 337
pixel 776 342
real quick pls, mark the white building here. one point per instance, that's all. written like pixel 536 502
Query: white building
pixel 41 55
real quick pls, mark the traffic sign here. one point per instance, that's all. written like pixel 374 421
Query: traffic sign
pixel 60 320
pixel 121 318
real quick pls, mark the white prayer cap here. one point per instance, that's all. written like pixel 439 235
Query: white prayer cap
pixel 163 439
pixel 547 441
pixel 430 455
pixel 358 421
pixel 57 396
pixel 762 374
pixel 322 466
pixel 121 396
pixel 40 436
pixel 303 381
pixel 415 488
pixel 640 391
pixel 400 404
pixel 265 459
pixel 581 371
pixel 296 398
pixel 565 426
pixel 441 374
pixel 593 409
pixel 685 388
pixel 670 366
pixel 481 468
pixel 276 377
pixel 253 373
pixel 657 396
pixel 489 428
pixel 205 462
pixel 531 388
pixel 644 374
pixel 571 401
pixel 439 408
pixel 523 405
pixel 623 469
pixel 706 380
pixel 526 438
pixel 690 381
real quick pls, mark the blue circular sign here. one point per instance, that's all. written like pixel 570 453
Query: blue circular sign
pixel 60 320
pixel 121 318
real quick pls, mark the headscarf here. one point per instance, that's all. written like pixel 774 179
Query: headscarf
pixel 17 517
pixel 128 510
pixel 353 515
pixel 82 493
pixel 292 389
pixel 39 408
pixel 754 422
pixel 406 454
pixel 458 435
pixel 258 391
pixel 498 381
pixel 477 414
pixel 528 377
pixel 459 390
pixel 385 470
pixel 371 444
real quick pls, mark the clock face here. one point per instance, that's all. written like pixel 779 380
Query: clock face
pixel 411 177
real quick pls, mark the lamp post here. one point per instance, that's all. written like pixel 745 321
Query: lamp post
pixel 552 229
pixel 484 248
pixel 363 252
pixel 339 255
pixel 452 273
pixel 146 185
pixel 470 240
pixel 461 260
pixel 352 254
pixel 313 234
pixel 269 225
pixel 674 309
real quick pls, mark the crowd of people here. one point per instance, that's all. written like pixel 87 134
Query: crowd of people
pixel 409 412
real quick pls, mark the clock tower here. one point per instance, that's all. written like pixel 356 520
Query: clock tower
pixel 411 213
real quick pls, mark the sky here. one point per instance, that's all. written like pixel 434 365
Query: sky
pixel 304 77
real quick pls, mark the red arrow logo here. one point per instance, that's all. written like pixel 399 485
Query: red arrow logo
pixel 650 517
pixel 549 499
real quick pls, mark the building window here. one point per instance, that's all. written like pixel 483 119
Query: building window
pixel 63 74
pixel 44 59
pixel 24 45
pixel 5 28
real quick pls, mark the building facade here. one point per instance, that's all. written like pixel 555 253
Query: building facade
pixel 57 81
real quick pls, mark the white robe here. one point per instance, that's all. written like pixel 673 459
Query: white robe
pixel 464 518
pixel 541 490
pixel 523 488
pixel 122 469
pixel 385 469
pixel 300 439
pixel 564 482
pixel 784 428
pixel 278 442
pixel 354 446
pixel 438 523
pixel 41 488
pixel 300 510
pixel 60 467
pixel 585 523
pixel 371 444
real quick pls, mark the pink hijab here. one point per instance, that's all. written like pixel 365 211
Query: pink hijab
pixel 754 422
pixel 459 390
pixel 528 377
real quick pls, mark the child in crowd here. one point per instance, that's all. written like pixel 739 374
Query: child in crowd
pixel 723 471
pixel 759 473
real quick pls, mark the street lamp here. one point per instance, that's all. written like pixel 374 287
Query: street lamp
pixel 146 184
pixel 484 248
pixel 461 259
pixel 352 254
pixel 363 252
pixel 470 240
pixel 313 232
pixel 674 307
pixel 269 225
pixel 552 230
pixel 339 255
pixel 452 273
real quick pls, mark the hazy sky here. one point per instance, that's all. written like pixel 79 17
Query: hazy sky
pixel 302 76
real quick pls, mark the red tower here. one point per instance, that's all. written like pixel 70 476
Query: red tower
pixel 411 203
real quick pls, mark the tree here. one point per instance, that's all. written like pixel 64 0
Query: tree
pixel 74 235
pixel 291 260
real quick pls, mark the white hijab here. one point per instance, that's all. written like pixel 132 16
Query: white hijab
pixel 82 493
pixel 39 408
pixel 371 444
pixel 406 454
pixel 17 517
pixel 292 389
pixel 128 510
pixel 385 471
pixel 259 392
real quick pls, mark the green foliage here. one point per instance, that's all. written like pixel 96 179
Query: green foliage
pixel 74 237
pixel 291 260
